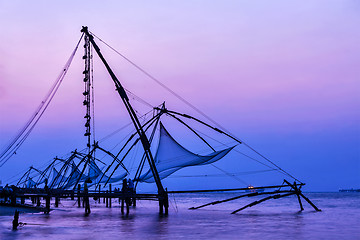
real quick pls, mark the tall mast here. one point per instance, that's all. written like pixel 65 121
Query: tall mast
pixel 87 90
pixel 134 118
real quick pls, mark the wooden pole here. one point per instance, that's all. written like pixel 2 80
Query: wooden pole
pixel 104 198
pixel 233 189
pixel 86 199
pixel 78 191
pixel 237 197
pixel 99 192
pixel 16 220
pixel 107 199
pixel 47 203
pixel 110 197
pixel 308 200
pixel 161 204
pixel 297 190
pixel 300 193
pixel 13 199
pixel 166 202
pixel 262 200
pixel 122 201
pixel 56 201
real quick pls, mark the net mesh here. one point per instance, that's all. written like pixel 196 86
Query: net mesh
pixel 171 157
pixel 96 175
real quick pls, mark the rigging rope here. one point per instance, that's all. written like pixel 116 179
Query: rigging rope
pixel 159 82
pixel 222 175
pixel 190 105
pixel 20 138
pixel 230 175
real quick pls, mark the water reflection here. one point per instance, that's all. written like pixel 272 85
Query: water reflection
pixel 278 220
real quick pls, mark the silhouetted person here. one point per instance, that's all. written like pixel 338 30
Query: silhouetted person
pixel 132 192
pixel 86 198
pixel 125 198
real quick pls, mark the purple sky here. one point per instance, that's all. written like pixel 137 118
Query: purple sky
pixel 281 75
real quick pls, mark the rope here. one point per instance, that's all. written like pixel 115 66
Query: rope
pixel 189 104
pixel 15 144
pixel 139 99
pixel 236 178
pixel 221 175
pixel 159 82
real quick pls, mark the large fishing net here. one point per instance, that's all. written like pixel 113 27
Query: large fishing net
pixel 171 157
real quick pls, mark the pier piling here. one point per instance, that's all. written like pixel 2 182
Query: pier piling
pixel 78 191
pixel 109 197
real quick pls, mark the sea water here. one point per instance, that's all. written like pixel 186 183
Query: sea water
pixel 273 219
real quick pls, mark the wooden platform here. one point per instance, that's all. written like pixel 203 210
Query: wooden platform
pixel 39 195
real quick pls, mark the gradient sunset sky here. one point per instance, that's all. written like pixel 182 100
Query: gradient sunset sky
pixel 283 76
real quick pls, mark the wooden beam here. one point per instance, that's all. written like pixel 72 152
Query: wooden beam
pixel 302 195
pixel 232 189
pixel 263 200
pixel 237 197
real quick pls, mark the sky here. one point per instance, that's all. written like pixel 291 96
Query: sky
pixel 282 76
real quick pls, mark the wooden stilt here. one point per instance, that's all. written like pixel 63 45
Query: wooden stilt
pixel 300 203
pixel 166 202
pixel 86 200
pixel 47 204
pixel 161 205
pixel 297 190
pixel 13 200
pixel 104 199
pixel 78 191
pixel 122 203
pixel 308 200
pixel 109 197
pixel 299 193
pixel 134 199
pixel 99 192
pixel 16 220
pixel 87 206
pixel 56 202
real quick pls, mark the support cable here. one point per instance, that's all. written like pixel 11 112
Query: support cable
pixel 189 104
pixel 20 138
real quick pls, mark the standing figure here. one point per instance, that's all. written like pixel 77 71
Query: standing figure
pixel 132 200
pixel 125 193
pixel 86 197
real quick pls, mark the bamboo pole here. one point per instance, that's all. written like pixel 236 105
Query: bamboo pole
pixel 78 191
pixel 233 189
pixel 302 195
pixel 110 197
pixel 262 200
pixel 237 197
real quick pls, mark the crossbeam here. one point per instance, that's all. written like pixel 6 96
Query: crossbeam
pixel 263 200
pixel 237 197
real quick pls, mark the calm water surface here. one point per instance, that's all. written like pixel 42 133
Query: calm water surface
pixel 275 219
